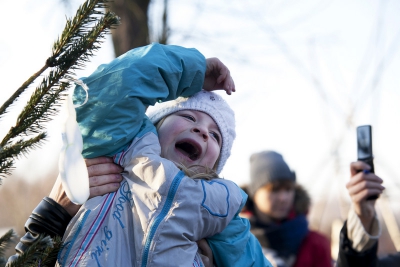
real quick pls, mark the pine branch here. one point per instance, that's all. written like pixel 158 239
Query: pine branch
pixel 75 27
pixel 42 252
pixel 80 38
pixel 19 91
pixel 41 105
pixel 11 151
pixel 39 108
pixel 20 147
pixel 86 14
pixel 5 242
pixel 89 41
pixel 49 256
pixel 6 166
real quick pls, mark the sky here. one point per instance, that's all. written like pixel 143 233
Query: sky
pixel 307 73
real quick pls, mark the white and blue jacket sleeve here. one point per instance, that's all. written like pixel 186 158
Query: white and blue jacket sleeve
pixel 119 93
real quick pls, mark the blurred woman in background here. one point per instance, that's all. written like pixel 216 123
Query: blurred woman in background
pixel 277 208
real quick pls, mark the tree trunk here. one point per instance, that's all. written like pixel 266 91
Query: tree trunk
pixel 133 31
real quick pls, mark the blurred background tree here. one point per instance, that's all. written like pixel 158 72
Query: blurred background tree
pixel 134 29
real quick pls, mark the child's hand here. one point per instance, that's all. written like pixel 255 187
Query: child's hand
pixel 218 77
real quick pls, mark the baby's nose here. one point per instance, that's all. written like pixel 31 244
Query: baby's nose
pixel 200 131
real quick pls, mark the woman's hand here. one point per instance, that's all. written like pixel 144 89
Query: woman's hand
pixel 363 184
pixel 218 77
pixel 58 195
pixel 104 177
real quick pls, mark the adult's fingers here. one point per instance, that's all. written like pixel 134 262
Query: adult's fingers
pixel 104 176
pixel 104 168
pixel 103 189
pixel 98 160
pixel 363 185
pixel 358 166
pixel 104 179
pixel 365 189
pixel 364 194
pixel 361 179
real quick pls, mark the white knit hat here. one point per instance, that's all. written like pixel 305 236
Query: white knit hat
pixel 207 102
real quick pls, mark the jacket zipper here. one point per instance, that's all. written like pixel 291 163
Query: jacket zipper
pixel 161 216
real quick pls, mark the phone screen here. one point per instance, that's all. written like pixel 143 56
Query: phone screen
pixel 364 149
pixel 364 142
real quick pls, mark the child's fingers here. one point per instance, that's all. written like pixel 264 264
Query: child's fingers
pixel 231 85
pixel 225 79
pixel 218 77
pixel 223 72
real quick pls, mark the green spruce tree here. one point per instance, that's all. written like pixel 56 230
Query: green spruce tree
pixel 81 37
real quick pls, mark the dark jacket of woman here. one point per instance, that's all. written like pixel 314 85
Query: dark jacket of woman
pixel 47 218
pixel 349 257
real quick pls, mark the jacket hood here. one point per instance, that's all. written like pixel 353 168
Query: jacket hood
pixel 302 200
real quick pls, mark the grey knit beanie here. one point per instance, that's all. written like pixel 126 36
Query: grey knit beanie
pixel 208 102
pixel 267 167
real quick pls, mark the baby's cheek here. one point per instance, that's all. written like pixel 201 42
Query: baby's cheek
pixel 214 157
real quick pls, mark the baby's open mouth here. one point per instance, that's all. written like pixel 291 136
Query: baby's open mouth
pixel 189 149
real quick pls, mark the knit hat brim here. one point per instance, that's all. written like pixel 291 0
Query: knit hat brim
pixel 267 167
